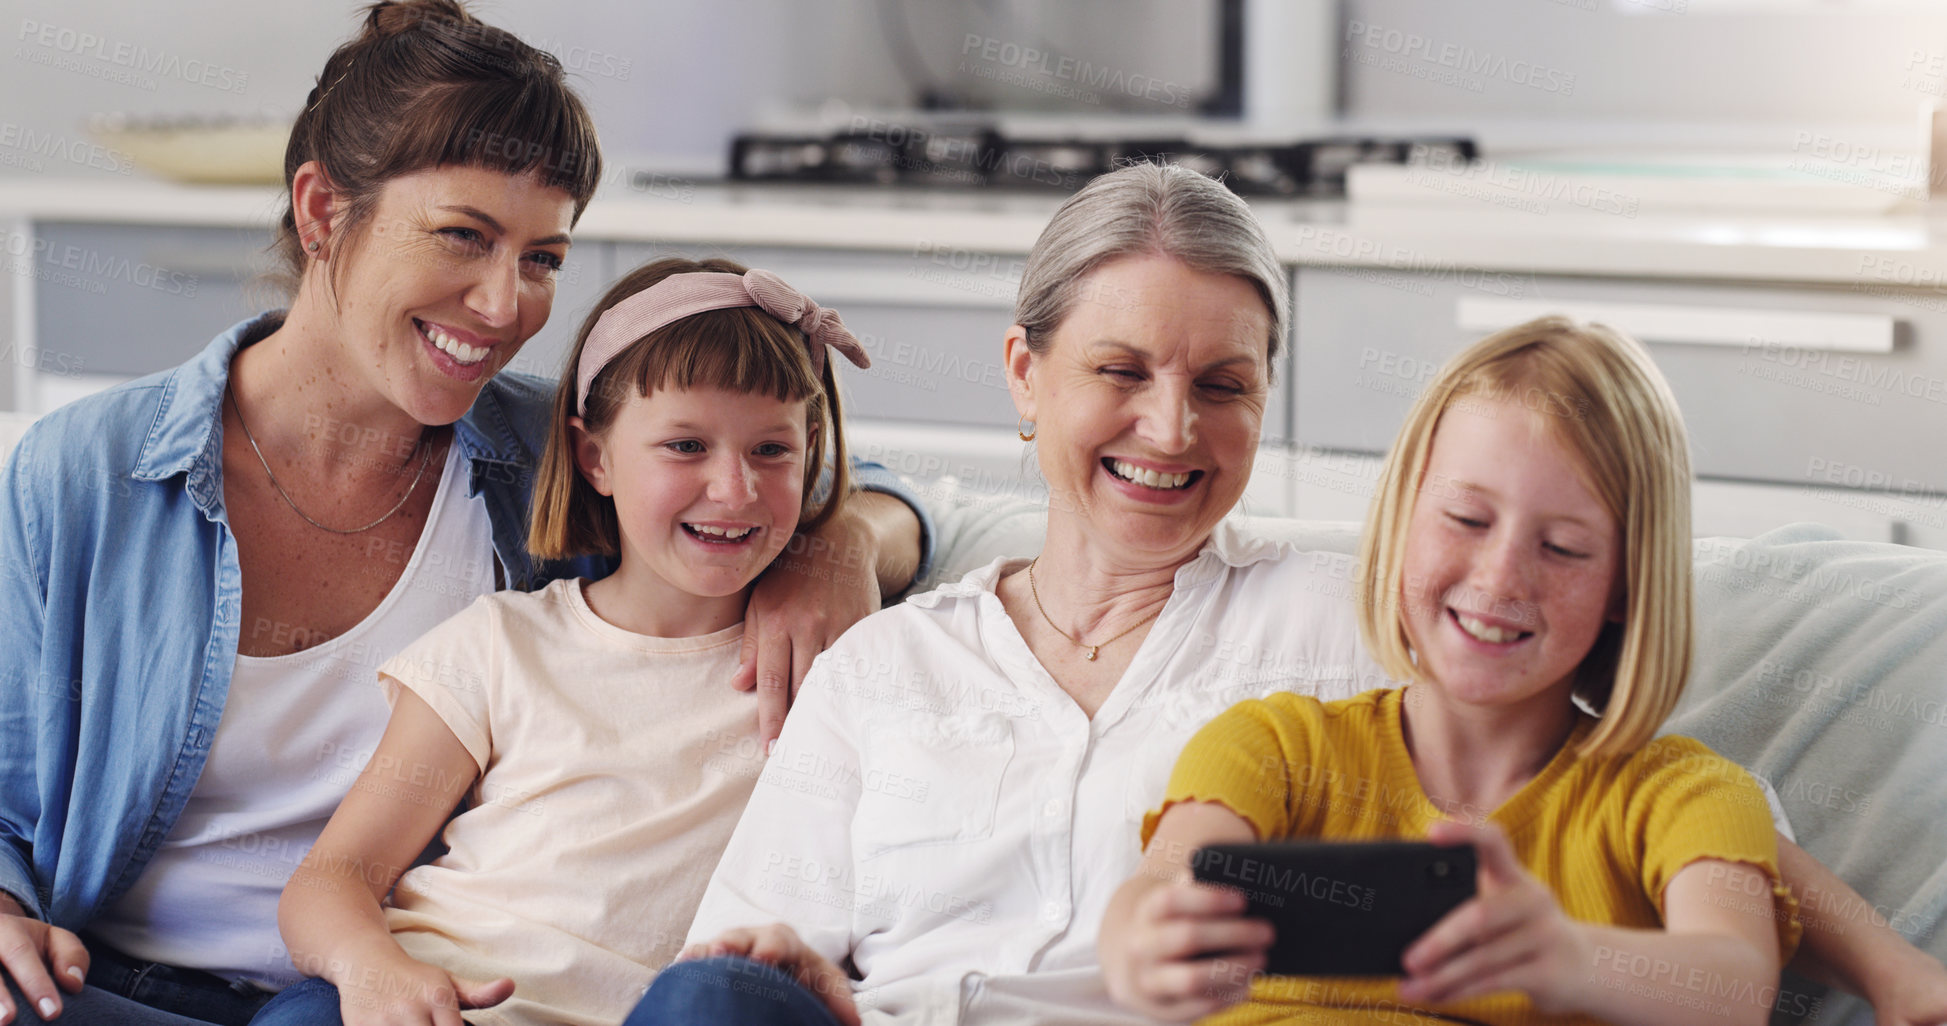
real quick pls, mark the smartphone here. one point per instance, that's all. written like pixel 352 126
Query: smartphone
pixel 1342 908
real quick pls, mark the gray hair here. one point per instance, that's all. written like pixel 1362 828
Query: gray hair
pixel 1147 208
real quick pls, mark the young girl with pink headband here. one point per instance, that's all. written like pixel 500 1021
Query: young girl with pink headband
pixel 583 730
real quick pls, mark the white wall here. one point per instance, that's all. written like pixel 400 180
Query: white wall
pixel 65 61
pixel 666 79
pixel 669 80
pixel 1769 70
pixel 1146 57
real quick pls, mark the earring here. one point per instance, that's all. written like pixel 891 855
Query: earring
pixel 1022 429
pixel 312 245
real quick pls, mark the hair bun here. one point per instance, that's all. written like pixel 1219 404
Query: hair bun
pixel 424 84
pixel 395 17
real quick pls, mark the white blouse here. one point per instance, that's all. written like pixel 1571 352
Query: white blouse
pixel 942 815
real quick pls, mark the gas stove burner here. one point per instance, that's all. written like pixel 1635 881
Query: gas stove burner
pixel 982 157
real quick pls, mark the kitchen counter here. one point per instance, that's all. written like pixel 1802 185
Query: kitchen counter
pixel 1787 422
pixel 1900 250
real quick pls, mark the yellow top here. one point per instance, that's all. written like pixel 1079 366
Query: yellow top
pixel 1606 835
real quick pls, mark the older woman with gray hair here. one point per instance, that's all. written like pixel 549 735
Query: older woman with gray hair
pixel 960 788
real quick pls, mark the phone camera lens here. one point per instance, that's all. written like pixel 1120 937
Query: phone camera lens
pixel 1441 869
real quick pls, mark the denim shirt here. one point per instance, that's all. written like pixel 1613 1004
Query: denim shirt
pixel 120 606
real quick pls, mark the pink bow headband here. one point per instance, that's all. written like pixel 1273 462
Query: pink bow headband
pixel 682 295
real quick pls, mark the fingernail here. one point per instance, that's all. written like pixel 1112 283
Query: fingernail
pixel 768 745
pixel 74 971
pixel 48 1008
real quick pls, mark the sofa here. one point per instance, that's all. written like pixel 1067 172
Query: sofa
pixel 1821 666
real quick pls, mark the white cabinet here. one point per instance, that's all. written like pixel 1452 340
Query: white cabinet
pixel 1834 415
pixel 1831 408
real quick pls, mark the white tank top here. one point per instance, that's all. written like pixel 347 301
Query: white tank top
pixel 295 732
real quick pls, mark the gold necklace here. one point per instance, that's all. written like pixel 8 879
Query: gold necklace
pixel 425 458
pixel 1079 643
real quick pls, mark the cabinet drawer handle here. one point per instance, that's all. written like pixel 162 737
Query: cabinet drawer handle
pixel 1690 325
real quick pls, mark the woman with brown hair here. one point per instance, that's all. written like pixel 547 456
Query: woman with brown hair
pixel 203 569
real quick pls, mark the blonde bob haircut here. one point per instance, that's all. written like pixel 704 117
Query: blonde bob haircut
pixel 1604 401
pixel 741 349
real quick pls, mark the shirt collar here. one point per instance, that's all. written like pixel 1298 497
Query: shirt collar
pixel 1230 545
pixel 186 434
pixel 506 424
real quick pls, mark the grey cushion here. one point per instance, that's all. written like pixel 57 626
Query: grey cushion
pixel 1822 666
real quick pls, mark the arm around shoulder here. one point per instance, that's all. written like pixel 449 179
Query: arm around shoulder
pixel 905 534
pixel 826 580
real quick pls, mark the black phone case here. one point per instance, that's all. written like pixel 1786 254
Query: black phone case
pixel 1342 908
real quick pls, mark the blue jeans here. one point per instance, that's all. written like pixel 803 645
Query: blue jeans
pixel 728 992
pixel 122 991
pixel 311 1002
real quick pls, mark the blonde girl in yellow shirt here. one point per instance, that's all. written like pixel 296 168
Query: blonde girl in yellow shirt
pixel 1526 559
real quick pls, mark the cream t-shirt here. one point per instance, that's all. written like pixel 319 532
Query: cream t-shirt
pixel 613 769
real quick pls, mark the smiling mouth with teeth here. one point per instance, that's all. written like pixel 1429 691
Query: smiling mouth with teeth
pixel 1149 478
pixel 462 354
pixel 719 535
pixel 1487 632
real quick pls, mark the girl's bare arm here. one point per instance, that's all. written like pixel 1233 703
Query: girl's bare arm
pixel 331 913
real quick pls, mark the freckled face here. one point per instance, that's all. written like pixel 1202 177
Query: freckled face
pixel 454 272
pixel 1512 564
pixel 1148 403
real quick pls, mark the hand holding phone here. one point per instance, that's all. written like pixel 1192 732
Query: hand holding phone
pixel 1512 936
pixel 1342 908
pixel 1172 948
